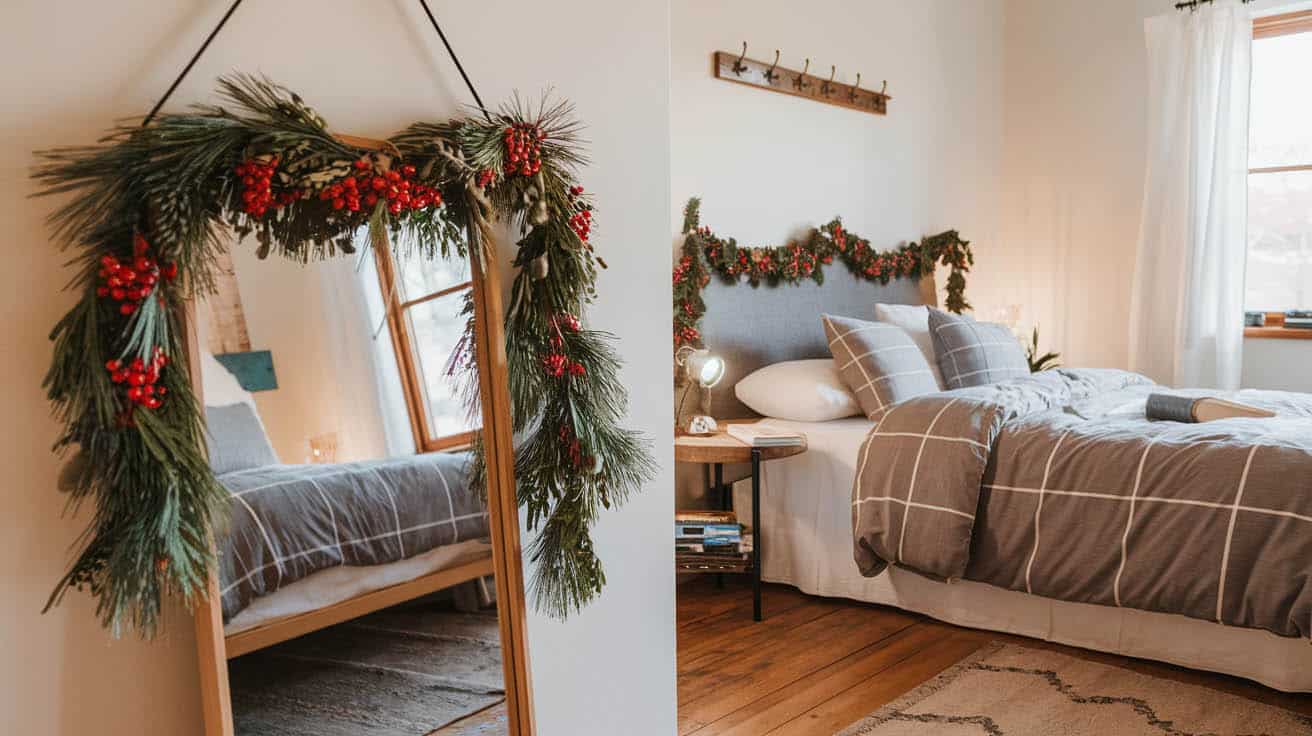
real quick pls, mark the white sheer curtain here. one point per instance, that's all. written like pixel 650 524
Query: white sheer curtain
pixel 1187 313
pixel 366 367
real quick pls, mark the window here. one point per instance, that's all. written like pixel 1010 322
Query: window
pixel 425 301
pixel 1279 273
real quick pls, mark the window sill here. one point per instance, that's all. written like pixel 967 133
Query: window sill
pixel 1277 333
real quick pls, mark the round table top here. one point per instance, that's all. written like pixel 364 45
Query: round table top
pixel 721 447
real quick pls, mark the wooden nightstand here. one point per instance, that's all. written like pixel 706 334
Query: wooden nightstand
pixel 720 448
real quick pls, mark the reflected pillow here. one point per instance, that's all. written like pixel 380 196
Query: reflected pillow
pixel 798 390
pixel 879 362
pixel 974 353
pixel 236 439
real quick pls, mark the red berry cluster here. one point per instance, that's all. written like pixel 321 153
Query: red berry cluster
pixel 681 270
pixel 581 221
pixel 131 283
pixel 523 149
pixel 573 448
pixel 140 379
pixel 567 321
pixel 840 238
pixel 397 188
pixel 557 365
pixel 257 187
pixel 686 336
pixel 561 323
pixel 485 177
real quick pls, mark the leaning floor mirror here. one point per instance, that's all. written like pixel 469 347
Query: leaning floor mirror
pixel 369 580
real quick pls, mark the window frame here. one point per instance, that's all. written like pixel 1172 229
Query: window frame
pixel 407 362
pixel 1272 26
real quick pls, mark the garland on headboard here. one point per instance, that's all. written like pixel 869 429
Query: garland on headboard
pixel 705 252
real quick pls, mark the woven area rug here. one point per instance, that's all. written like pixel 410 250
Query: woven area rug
pixel 1009 690
pixel 400 672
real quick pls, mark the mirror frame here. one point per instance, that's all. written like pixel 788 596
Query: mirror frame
pixel 503 510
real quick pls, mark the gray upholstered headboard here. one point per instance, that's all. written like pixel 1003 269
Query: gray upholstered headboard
pixel 752 328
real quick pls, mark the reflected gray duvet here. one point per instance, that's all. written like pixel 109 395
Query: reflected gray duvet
pixel 1057 485
pixel 290 521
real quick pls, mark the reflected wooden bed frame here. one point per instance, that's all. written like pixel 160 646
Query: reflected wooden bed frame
pixel 214 648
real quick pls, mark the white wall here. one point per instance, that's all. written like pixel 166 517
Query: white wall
pixel 768 166
pixel 1073 165
pixel 369 68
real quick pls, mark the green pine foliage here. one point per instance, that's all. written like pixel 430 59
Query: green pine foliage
pixel 181 183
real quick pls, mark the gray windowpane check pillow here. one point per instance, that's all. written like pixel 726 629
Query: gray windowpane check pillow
pixel 974 353
pixel 879 362
pixel 236 439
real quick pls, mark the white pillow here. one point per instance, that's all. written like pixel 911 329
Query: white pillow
pixel 798 390
pixel 915 322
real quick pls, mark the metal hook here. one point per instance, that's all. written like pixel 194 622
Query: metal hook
pixel 770 74
pixel 828 86
pixel 800 83
pixel 851 94
pixel 883 92
pixel 738 66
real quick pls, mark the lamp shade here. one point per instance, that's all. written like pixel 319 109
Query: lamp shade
pixel 704 368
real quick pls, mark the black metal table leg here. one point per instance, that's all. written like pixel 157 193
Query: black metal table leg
pixel 724 499
pixel 757 545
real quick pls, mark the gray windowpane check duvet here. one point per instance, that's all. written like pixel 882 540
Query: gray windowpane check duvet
pixel 1057 485
pixel 290 521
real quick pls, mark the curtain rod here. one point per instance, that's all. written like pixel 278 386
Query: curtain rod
pixel 1193 4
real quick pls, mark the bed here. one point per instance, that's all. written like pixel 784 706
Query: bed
pixel 808 510
pixel 309 546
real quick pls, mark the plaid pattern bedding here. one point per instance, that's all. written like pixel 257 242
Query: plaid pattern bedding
pixel 1056 485
pixel 290 521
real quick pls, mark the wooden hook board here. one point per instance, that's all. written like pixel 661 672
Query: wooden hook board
pixel 738 68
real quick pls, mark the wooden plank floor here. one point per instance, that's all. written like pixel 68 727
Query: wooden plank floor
pixel 816 665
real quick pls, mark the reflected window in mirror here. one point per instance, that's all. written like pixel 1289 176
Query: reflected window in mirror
pixel 428 309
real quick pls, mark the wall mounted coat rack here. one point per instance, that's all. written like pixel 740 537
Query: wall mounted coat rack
pixel 738 68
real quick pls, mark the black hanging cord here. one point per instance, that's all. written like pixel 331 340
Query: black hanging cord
pixel 223 21
pixel 196 57
pixel 455 59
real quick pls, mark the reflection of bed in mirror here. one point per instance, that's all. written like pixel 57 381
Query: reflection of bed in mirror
pixel 306 541
pixel 333 513
pixel 356 569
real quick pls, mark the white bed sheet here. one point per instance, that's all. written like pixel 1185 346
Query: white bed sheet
pixel 806 515
pixel 337 584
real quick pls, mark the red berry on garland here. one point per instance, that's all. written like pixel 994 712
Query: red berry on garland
pixel 577 369
pixel 555 365
pixel 127 309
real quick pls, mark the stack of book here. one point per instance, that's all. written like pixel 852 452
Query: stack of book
pixel 707 532
pixel 709 541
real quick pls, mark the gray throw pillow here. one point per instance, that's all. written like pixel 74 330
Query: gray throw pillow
pixel 974 353
pixel 236 439
pixel 879 362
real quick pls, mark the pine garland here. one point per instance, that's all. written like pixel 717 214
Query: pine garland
pixel 146 223
pixel 705 252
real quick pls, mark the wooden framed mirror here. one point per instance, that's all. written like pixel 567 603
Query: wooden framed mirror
pixel 303 628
